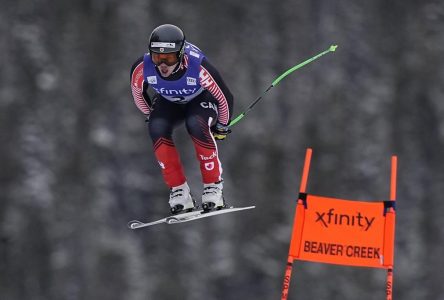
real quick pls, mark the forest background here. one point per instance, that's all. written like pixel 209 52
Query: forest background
pixel 76 162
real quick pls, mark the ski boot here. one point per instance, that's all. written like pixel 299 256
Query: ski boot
pixel 181 199
pixel 212 197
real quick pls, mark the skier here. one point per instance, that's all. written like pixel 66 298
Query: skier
pixel 172 84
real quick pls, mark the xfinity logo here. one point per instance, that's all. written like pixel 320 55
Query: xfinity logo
pixel 332 218
pixel 184 91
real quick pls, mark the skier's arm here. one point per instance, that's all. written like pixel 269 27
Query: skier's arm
pixel 211 80
pixel 139 88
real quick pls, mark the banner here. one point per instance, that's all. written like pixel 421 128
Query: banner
pixel 343 232
pixel 338 231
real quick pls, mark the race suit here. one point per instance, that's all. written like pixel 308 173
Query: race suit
pixel 195 95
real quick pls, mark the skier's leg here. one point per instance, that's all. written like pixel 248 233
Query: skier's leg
pixel 200 115
pixel 163 119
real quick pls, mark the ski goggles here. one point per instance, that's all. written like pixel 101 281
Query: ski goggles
pixel 170 59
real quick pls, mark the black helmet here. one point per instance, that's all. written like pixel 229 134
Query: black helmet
pixel 167 38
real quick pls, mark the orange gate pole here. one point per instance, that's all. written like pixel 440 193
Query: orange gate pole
pixel 390 230
pixel 296 236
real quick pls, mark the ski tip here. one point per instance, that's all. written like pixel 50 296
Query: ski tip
pixel 134 224
pixel 333 48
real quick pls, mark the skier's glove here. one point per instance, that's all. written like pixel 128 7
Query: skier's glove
pixel 220 131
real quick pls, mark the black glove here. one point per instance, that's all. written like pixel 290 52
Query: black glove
pixel 220 131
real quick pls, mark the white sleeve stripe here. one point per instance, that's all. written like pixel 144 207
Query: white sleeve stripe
pixel 136 89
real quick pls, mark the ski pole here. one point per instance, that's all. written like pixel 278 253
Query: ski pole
pixel 279 79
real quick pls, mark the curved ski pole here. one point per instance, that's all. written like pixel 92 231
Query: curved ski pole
pixel 332 48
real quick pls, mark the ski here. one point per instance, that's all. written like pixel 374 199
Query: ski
pixel 186 217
